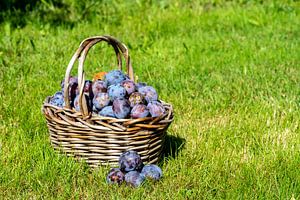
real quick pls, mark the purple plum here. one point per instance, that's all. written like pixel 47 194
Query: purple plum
pixel 156 109
pixel 57 99
pixel 129 86
pixel 130 161
pixel 72 80
pixel 139 85
pixel 149 93
pixel 134 178
pixel 107 111
pixel 152 172
pixel 136 98
pixel 114 77
pixel 121 108
pixel 99 86
pixel 101 100
pixel 73 88
pixel 76 102
pixel 116 92
pixel 139 111
pixel 115 176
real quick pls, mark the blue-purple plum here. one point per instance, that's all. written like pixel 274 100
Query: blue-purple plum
pixel 152 172
pixel 73 88
pixel 130 161
pixel 156 109
pixel 114 77
pixel 107 111
pixel 101 100
pixel 149 93
pixel 116 92
pixel 59 94
pixel 134 178
pixel 139 85
pixel 99 86
pixel 139 111
pixel 57 99
pixel 88 102
pixel 129 86
pixel 72 80
pixel 127 77
pixel 87 89
pixel 115 176
pixel 121 108
pixel 136 98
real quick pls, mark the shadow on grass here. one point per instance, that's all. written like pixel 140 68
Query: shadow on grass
pixel 173 145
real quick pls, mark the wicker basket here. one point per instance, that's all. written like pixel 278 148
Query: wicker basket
pixel 100 140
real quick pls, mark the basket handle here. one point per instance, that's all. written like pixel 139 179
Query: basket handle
pixel 81 54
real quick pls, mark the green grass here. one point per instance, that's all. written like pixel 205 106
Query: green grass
pixel 231 71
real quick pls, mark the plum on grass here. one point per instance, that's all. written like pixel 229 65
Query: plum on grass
pixel 134 178
pixel 149 93
pixel 139 111
pixel 129 86
pixel 115 176
pixel 152 172
pixel 101 100
pixel 99 86
pixel 114 77
pixel 156 109
pixel 136 98
pixel 130 161
pixel 116 92
pixel 107 111
pixel 121 108
pixel 57 99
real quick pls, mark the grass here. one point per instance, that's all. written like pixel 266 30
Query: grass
pixel 231 71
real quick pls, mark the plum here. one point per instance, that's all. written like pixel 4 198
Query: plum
pixel 152 172
pixel 156 109
pixel 139 85
pixel 87 89
pixel 76 103
pixel 139 111
pixel 72 80
pixel 134 178
pixel 73 88
pixel 130 161
pixel 116 92
pixel 115 176
pixel 114 77
pixel 121 108
pixel 107 111
pixel 59 94
pixel 88 102
pixel 57 99
pixel 99 86
pixel 149 93
pixel 127 77
pixel 136 98
pixel 129 86
pixel 101 100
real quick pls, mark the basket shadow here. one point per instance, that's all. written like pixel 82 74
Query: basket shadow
pixel 173 145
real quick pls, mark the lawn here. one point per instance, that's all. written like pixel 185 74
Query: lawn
pixel 230 70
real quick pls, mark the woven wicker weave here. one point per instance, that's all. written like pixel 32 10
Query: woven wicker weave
pixel 100 140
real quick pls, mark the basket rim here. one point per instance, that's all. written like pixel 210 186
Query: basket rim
pixel 169 114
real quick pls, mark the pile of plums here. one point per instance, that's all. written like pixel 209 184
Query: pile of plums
pixel 113 95
pixel 133 171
